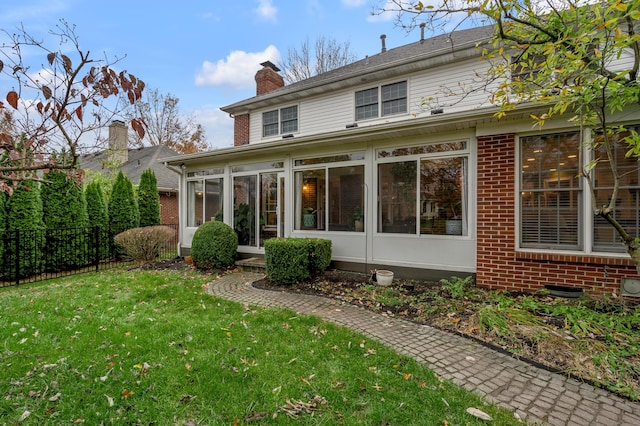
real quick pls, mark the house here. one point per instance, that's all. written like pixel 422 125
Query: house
pixel 133 162
pixel 400 172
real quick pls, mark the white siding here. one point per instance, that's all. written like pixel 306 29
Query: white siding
pixel 332 112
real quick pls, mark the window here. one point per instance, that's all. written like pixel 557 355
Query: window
pixel 442 195
pixel 393 97
pixel 627 209
pixel 550 191
pixel 338 179
pixel 280 121
pixel 423 189
pixel 204 199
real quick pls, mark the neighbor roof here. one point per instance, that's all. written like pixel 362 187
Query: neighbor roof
pixel 140 159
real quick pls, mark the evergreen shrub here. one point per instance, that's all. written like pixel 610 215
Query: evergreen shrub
pixel 214 245
pixel 123 208
pixel 149 199
pixel 97 216
pixel 287 260
pixel 319 255
pixel 65 217
pixel 24 215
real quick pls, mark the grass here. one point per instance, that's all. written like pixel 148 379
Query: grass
pixel 150 347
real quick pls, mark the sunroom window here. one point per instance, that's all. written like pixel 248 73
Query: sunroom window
pixel 423 189
pixel 204 201
pixel 330 196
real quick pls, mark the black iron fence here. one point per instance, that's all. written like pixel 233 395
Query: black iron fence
pixel 28 256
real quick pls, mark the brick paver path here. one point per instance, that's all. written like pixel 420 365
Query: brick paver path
pixel 532 393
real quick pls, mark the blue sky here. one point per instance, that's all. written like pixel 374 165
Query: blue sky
pixel 206 52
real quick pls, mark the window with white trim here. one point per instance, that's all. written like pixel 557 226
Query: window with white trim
pixel 282 121
pixel 627 208
pixel 551 192
pixel 204 199
pixel 390 99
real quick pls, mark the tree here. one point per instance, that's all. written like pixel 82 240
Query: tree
pixel 24 219
pixel 327 55
pixel 149 199
pixel 54 108
pixel 123 209
pixel 165 125
pixel 97 216
pixel 578 59
pixel 65 218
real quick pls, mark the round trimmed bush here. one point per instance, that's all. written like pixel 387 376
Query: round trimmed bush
pixel 214 245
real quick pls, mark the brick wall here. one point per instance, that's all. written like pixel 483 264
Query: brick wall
pixel 169 208
pixel 499 266
pixel 241 130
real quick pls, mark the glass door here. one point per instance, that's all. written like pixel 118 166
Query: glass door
pixel 270 210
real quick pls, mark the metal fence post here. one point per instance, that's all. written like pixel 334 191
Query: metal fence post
pixel 16 253
pixel 96 239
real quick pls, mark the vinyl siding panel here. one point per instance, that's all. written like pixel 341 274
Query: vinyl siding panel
pixel 438 87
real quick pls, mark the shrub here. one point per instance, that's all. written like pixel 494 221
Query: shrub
pixel 24 213
pixel 149 199
pixel 123 209
pixel 291 260
pixel 65 217
pixel 287 260
pixel 214 245
pixel 97 215
pixel 319 255
pixel 145 244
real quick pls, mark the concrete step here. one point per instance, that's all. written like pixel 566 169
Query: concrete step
pixel 251 264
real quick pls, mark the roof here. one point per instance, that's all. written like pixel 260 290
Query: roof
pixel 390 59
pixel 140 159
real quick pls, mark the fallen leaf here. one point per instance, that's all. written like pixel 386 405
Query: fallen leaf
pixel 187 366
pixel 55 397
pixel 24 416
pixel 445 402
pixel 479 414
pixel 109 400
pixel 126 394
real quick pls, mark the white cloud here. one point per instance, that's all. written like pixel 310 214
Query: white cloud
pixel 353 3
pixel 266 10
pixel 237 70
pixel 218 127
pixel 389 15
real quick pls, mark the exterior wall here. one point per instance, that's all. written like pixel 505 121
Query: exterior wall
pixel 332 112
pixel 169 208
pixel 500 265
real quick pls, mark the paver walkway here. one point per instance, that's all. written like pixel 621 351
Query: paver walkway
pixel 532 393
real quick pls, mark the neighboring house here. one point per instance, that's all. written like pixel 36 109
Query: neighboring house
pixel 133 162
pixel 400 172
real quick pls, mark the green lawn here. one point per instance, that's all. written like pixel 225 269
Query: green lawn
pixel 135 347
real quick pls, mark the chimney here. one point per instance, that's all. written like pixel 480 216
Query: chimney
pixel 384 46
pixel 268 79
pixel 118 142
pixel 422 25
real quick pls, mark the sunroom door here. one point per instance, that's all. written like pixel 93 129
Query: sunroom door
pixel 271 206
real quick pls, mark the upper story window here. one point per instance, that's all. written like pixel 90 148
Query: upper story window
pixel 389 98
pixel 282 121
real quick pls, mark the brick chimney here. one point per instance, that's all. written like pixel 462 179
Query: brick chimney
pixel 240 129
pixel 268 79
pixel 118 142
